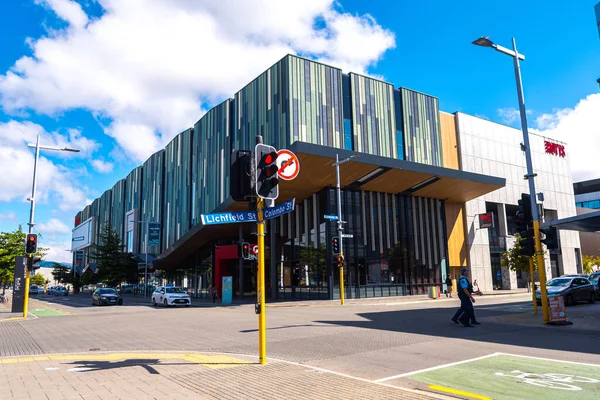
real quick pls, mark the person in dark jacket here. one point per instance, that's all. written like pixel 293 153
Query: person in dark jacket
pixel 466 313
pixel 449 286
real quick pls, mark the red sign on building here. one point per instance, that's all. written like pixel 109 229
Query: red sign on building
pixel 554 148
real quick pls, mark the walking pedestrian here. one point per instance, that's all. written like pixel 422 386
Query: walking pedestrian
pixel 466 313
pixel 449 286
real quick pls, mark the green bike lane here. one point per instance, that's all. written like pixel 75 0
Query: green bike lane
pixel 501 376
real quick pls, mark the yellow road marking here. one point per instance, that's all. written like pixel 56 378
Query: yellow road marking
pixel 52 308
pixel 458 392
pixel 213 362
pixel 12 319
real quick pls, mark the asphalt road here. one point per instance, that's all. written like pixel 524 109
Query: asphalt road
pixel 385 340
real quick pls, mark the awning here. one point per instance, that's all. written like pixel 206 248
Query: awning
pixel 589 222
pixel 363 172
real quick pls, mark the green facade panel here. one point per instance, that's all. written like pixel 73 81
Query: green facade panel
pixel 117 216
pixel 211 160
pixel 373 116
pixel 421 123
pixel 152 194
pixel 178 188
pixel 133 191
pixel 105 209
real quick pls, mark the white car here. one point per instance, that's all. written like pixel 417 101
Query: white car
pixel 170 296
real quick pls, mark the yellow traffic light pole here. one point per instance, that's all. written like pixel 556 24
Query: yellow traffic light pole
pixel 26 296
pixel 541 269
pixel 532 274
pixel 341 267
pixel 260 295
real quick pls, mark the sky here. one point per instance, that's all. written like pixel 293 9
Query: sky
pixel 119 79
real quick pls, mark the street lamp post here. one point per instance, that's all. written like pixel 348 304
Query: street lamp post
pixel 31 224
pixel 485 42
pixel 340 223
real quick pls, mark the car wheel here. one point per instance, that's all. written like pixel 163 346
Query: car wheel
pixel 592 299
pixel 120 302
pixel 154 302
pixel 569 300
pixel 166 304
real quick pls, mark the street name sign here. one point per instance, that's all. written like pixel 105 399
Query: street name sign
pixel 288 165
pixel 228 218
pixel 331 217
pixel 281 209
pixel 347 235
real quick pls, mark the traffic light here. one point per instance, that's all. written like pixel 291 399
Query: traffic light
pixel 524 219
pixel 241 181
pixel 340 261
pixel 551 239
pixel 267 180
pixel 335 244
pixel 31 244
pixel 245 251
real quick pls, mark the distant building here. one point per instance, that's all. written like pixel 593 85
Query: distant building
pixel 587 194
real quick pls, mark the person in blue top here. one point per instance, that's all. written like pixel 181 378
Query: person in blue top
pixel 466 302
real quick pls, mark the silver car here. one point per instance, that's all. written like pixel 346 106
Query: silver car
pixel 573 289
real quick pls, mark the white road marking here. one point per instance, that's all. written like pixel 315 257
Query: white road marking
pixel 389 378
pixel 550 359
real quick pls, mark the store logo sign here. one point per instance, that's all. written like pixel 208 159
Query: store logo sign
pixel 555 148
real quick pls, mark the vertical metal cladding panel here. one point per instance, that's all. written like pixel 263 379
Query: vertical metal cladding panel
pixel 212 159
pixel 95 212
pixel 316 103
pixel 421 127
pixel 152 193
pixel 117 217
pixel 105 209
pixel 133 194
pixel 373 116
pixel 178 185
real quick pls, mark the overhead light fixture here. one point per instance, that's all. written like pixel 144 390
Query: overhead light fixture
pixel 426 182
pixel 369 175
pixel 483 41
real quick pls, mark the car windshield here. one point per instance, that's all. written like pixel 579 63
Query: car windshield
pixel 33 287
pixel 107 291
pixel 594 278
pixel 559 282
pixel 174 290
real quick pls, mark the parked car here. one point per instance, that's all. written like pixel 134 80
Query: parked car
pixel 34 289
pixel 170 296
pixel 106 296
pixel 61 291
pixel 595 279
pixel 50 291
pixel 573 289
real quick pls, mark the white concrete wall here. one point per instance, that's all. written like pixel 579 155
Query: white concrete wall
pixel 493 149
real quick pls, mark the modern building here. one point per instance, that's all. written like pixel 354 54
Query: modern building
pixel 409 197
pixel 587 200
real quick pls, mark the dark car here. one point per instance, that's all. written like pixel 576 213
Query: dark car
pixel 106 296
pixel 573 289
pixel 595 279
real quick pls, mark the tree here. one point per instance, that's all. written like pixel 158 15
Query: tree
pixel 38 279
pixel 589 262
pixel 12 244
pixel 514 260
pixel 114 266
pixel 61 273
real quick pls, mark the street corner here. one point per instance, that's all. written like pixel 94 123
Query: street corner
pixel 501 376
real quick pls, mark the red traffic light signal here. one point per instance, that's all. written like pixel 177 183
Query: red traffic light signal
pixel 267 180
pixel 31 243
pixel 245 250
pixel 335 244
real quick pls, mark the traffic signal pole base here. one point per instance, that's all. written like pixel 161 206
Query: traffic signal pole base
pixel 560 323
pixel 26 296
pixel 342 282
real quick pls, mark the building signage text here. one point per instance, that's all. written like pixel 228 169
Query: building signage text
pixel 554 148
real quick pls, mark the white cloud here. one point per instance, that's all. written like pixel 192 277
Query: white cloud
pixel 52 226
pixel 103 167
pixel 9 216
pixel 54 182
pixel 148 67
pixel 511 115
pixel 58 249
pixel 579 127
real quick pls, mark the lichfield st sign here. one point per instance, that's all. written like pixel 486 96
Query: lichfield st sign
pixel 554 148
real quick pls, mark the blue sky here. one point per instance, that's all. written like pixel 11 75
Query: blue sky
pixel 119 79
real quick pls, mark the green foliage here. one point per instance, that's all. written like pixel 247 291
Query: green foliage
pixel 12 244
pixel 114 266
pixel 589 262
pixel 514 260
pixel 37 279
pixel 62 274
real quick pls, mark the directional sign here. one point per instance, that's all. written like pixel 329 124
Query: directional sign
pixel 331 217
pixel 347 235
pixel 228 218
pixel 288 164
pixel 255 249
pixel 281 209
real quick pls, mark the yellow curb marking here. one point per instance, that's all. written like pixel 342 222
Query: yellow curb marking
pixel 458 392
pixel 212 362
pixel 12 319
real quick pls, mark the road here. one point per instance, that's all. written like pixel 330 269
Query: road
pixel 376 343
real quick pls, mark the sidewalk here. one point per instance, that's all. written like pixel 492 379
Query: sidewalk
pixel 182 376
